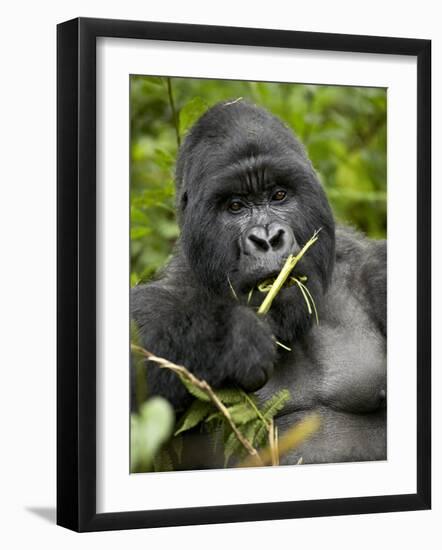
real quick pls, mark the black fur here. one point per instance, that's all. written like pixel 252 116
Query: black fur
pixel 190 315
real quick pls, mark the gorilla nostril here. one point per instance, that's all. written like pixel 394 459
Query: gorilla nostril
pixel 277 240
pixel 274 238
pixel 259 243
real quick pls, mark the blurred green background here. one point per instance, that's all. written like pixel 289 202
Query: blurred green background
pixel 343 129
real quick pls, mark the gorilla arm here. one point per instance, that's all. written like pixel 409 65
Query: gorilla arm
pixel 364 262
pixel 221 342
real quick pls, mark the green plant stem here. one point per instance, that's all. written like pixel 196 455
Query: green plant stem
pixel 257 411
pixel 174 111
pixel 288 267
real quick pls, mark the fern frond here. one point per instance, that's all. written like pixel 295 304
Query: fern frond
pixel 269 410
pixel 195 414
pixel 230 396
pixel 242 413
pixel 273 405
pixel 194 390
pixel 231 447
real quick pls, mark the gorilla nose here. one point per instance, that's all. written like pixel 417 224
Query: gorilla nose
pixel 262 239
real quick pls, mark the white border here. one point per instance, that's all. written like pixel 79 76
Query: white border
pixel 116 489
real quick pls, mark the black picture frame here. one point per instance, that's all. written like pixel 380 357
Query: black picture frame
pixel 76 273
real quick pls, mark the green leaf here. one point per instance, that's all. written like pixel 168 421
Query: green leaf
pixel 242 413
pixel 270 408
pixel 273 405
pixel 134 333
pixel 134 279
pixel 261 437
pixel 164 159
pixel 232 446
pixel 194 390
pixel 139 232
pixel 214 416
pixel 195 414
pixel 137 216
pixel 230 396
pixel 191 112
pixel 154 80
pixel 251 429
pixel 149 430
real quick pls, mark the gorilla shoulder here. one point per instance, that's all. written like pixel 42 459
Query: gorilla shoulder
pixel 363 263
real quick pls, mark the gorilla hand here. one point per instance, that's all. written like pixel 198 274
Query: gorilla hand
pixel 250 350
pixel 222 343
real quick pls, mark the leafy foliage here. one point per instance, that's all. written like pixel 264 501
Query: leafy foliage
pixel 196 413
pixel 343 129
pixel 252 419
pixel 149 430
pixel 191 112
pixel 194 390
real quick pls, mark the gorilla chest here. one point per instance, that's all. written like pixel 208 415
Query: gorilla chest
pixel 341 365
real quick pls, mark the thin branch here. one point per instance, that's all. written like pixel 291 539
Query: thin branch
pixel 207 389
pixel 273 443
pixel 308 298
pixel 291 439
pixel 174 111
pixel 235 295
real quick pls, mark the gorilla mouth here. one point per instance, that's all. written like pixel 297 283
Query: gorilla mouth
pixel 284 276
pixel 275 281
pixel 266 284
pixel 298 281
pixel 256 281
pixel 262 282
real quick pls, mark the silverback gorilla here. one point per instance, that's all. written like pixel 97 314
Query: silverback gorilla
pixel 247 197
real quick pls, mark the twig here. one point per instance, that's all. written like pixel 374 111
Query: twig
pixel 254 458
pixel 232 289
pixel 307 297
pixel 174 111
pixel 281 345
pixel 273 443
pixel 288 267
pixel 249 296
pixel 256 410
pixel 232 102
pixel 291 439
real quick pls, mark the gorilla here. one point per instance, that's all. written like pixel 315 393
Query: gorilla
pixel 247 197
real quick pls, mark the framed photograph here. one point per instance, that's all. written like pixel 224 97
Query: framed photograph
pixel 243 274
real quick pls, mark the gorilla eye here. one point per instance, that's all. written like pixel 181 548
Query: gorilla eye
pixel 279 195
pixel 235 206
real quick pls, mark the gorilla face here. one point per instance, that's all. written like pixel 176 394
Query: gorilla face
pixel 248 198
